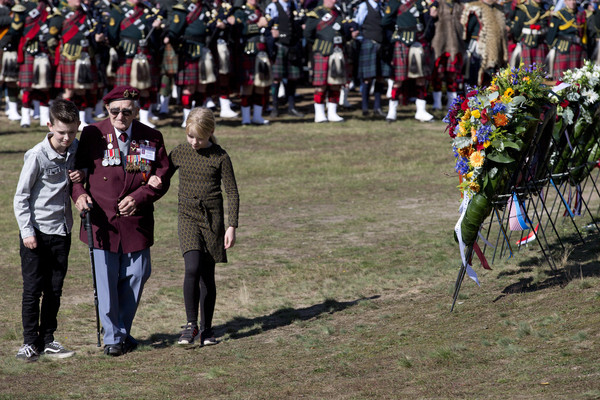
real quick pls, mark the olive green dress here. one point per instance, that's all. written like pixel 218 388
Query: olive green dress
pixel 201 220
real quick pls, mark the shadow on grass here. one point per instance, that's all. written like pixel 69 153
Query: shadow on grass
pixel 240 327
pixel 582 263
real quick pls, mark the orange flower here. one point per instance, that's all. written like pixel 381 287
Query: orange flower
pixel 476 159
pixel 526 78
pixel 474 186
pixel 465 151
pixel 500 120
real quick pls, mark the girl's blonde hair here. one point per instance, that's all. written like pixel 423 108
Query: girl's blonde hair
pixel 201 122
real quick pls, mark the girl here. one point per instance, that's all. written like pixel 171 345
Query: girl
pixel 202 165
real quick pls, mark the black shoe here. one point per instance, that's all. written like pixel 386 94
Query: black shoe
pixel 56 350
pixel 379 112
pixel 274 113
pixel 207 338
pixel 295 113
pixel 28 353
pixel 189 334
pixel 129 345
pixel 113 350
pixel 365 113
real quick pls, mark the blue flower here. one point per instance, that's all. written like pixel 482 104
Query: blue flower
pixel 483 133
pixel 462 166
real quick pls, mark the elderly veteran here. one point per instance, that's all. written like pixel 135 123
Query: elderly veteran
pixel 119 154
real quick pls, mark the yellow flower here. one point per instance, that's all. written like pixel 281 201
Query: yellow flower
pixel 486 144
pixel 474 186
pixel 462 130
pixel 476 114
pixel 509 92
pixel 526 78
pixel 476 159
pixel 467 115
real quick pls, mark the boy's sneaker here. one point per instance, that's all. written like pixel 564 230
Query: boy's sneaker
pixel 208 338
pixel 27 353
pixel 189 334
pixel 56 350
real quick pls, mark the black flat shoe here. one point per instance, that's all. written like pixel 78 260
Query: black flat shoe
pixel 295 113
pixel 113 350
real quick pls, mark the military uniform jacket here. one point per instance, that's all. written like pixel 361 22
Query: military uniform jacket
pixel 30 25
pixel 252 35
pixel 127 26
pixel 566 28
pixel 530 24
pixel 72 29
pixel 410 21
pixel 188 29
pixel 326 29
pixel 107 185
pixel 5 20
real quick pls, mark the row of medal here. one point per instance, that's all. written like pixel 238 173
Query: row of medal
pixel 112 156
pixel 135 163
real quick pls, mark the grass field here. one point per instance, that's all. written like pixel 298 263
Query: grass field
pixel 339 286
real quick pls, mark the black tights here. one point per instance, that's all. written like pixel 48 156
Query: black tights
pixel 199 289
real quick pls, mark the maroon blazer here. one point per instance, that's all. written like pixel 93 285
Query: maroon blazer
pixel 108 185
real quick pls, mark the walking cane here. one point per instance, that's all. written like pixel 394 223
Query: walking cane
pixel 87 224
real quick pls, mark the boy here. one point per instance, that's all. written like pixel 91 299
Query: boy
pixel 43 210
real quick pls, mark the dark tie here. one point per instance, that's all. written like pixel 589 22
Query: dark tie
pixel 123 137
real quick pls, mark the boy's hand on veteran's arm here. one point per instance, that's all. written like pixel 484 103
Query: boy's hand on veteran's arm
pixel 76 176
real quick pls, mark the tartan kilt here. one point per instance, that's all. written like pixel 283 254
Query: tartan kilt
pixel 530 55
pixel 123 75
pixel 572 59
pixel 320 67
pixel 26 71
pixel 283 67
pixel 400 62
pixel 248 64
pixel 370 64
pixel 189 74
pixel 170 61
pixel 446 63
pixel 65 74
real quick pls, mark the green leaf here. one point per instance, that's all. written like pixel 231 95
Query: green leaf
pixel 512 145
pixel 500 158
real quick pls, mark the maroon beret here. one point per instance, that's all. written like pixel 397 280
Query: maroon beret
pixel 121 93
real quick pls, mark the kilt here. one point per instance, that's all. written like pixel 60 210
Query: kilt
pixel 448 64
pixel 248 64
pixel 571 59
pixel 283 67
pixel 401 61
pixel 370 64
pixel 320 67
pixel 123 75
pixel 189 74
pixel 530 55
pixel 26 71
pixel 170 62
pixel 65 74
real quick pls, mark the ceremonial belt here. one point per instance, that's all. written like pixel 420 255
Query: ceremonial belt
pixel 127 22
pixel 405 7
pixel 73 30
pixel 3 32
pixel 529 31
pixel 194 15
pixel 324 24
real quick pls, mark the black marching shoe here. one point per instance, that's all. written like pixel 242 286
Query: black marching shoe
pixel 129 345
pixel 113 350
pixel 295 113
pixel 379 112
